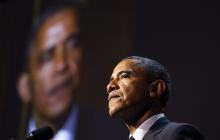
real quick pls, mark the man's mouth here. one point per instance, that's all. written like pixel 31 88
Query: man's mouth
pixel 114 95
pixel 60 87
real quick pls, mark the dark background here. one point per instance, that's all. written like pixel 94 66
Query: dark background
pixel 183 36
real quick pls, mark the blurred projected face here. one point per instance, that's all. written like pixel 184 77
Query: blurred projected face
pixel 54 65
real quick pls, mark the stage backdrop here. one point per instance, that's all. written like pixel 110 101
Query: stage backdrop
pixel 183 36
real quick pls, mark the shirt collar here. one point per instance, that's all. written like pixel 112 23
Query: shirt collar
pixel 67 132
pixel 145 126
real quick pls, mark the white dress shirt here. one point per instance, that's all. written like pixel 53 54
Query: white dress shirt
pixel 67 131
pixel 145 126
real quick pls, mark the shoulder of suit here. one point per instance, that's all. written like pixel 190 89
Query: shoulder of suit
pixel 175 131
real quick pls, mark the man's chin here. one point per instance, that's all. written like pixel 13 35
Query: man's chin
pixel 120 113
pixel 58 113
pixel 114 113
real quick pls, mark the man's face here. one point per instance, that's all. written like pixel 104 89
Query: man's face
pixel 127 90
pixel 54 65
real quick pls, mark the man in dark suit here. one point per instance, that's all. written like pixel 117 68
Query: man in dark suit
pixel 138 91
pixel 50 82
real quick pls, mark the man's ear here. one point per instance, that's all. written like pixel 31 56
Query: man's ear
pixel 23 87
pixel 157 88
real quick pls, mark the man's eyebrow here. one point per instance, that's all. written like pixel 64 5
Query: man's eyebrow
pixel 125 71
pixel 119 73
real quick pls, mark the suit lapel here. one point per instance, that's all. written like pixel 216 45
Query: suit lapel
pixel 156 129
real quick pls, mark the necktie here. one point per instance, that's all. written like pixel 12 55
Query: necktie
pixel 131 138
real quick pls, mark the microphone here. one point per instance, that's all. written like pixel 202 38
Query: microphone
pixel 44 133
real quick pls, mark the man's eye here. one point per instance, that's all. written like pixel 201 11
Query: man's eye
pixel 45 57
pixel 71 43
pixel 124 75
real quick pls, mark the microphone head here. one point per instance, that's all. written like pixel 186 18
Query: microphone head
pixel 44 133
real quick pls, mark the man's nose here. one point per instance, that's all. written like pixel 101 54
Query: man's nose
pixel 113 85
pixel 61 61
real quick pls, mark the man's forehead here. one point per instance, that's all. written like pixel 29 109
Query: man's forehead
pixel 57 26
pixel 126 64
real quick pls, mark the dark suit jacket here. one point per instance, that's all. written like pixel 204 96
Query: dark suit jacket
pixel 163 129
